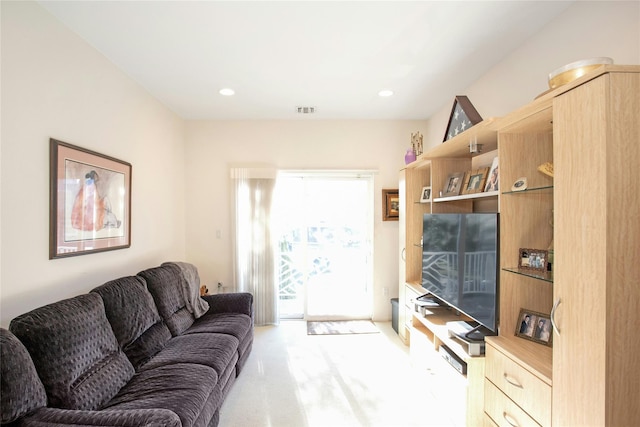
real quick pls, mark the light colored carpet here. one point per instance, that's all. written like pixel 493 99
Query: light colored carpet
pixel 292 379
pixel 342 327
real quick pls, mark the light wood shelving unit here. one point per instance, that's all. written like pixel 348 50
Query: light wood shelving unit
pixel 589 129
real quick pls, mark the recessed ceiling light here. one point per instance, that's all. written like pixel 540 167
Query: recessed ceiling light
pixel 227 92
pixel 385 93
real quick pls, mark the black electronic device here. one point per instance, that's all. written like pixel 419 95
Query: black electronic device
pixel 460 261
pixel 453 359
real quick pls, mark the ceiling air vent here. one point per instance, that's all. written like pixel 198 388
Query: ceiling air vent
pixel 306 110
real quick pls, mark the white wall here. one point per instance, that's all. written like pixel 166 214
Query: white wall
pixel 212 146
pixel 587 29
pixel 55 85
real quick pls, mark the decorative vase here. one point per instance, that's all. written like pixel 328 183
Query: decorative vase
pixel 409 157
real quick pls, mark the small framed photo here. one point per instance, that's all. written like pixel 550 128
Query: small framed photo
pixel 493 180
pixel 390 205
pixel 474 181
pixel 90 201
pixel 534 326
pixel 425 196
pixel 533 259
pixel 453 184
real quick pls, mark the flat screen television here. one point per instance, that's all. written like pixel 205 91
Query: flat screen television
pixel 460 264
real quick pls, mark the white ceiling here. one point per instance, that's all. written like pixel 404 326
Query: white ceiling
pixel 335 56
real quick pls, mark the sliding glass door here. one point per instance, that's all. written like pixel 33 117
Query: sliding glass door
pixel 325 224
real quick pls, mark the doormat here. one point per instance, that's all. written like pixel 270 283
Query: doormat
pixel 341 327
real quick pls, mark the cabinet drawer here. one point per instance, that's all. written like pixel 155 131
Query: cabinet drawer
pixel 524 388
pixel 502 410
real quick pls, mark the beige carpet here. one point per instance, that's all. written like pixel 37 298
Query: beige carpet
pixel 292 379
pixel 341 327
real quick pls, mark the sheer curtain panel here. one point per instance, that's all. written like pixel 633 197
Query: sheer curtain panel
pixel 253 246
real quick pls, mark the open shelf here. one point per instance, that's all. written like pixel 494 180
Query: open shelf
pixel 467 197
pixel 546 188
pixel 545 276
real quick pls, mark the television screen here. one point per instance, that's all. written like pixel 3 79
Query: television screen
pixel 460 263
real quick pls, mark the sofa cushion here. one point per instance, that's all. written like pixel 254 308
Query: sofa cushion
pixel 21 390
pixel 188 390
pixel 234 324
pixel 74 351
pixel 54 417
pixel 165 284
pixel 134 318
pixel 217 351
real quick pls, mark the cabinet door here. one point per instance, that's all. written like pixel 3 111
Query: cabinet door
pixel 402 241
pixel 596 162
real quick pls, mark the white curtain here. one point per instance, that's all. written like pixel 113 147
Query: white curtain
pixel 254 250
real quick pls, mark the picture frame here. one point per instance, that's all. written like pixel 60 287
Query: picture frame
pixel 463 116
pixel 474 181
pixel 425 195
pixel 493 177
pixel 390 205
pixel 89 201
pixel 533 259
pixel 534 326
pixel 453 184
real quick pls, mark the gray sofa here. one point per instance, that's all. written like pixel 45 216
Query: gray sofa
pixel 132 352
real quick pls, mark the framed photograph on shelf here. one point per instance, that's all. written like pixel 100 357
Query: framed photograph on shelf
pixel 390 205
pixel 425 196
pixel 474 181
pixel 453 184
pixel 533 259
pixel 493 179
pixel 463 116
pixel 534 326
pixel 90 201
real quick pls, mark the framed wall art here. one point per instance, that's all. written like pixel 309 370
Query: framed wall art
pixel 474 181
pixel 453 184
pixel 390 205
pixel 533 259
pixel 463 116
pixel 425 195
pixel 89 201
pixel 534 326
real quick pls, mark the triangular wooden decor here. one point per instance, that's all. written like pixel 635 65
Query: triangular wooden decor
pixel 463 116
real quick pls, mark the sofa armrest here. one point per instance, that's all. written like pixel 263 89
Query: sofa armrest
pixel 238 302
pixel 106 418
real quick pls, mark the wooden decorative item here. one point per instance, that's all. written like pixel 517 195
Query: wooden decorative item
pixel 463 116
pixel 534 326
pixel 474 181
pixel 390 205
pixel 533 259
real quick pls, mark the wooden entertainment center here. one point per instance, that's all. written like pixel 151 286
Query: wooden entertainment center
pixel 589 211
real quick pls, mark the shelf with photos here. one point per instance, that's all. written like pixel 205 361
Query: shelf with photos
pixel 474 184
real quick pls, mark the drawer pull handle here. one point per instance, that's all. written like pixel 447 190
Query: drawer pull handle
pixel 512 381
pixel 510 420
pixel 402 254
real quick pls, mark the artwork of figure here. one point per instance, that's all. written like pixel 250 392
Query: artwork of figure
pixel 91 210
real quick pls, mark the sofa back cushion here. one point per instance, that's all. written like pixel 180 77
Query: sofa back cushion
pixel 21 390
pixel 134 318
pixel 165 284
pixel 74 351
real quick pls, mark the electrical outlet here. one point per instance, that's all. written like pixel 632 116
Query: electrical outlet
pixel 385 292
